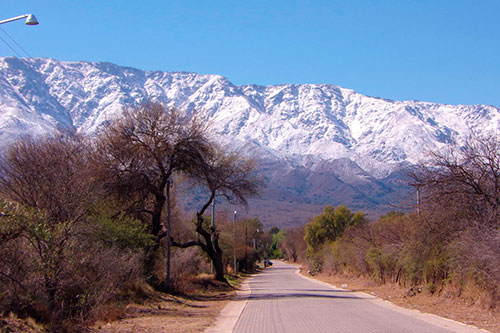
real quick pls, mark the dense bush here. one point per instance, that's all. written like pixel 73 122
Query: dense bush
pixel 330 225
pixel 59 273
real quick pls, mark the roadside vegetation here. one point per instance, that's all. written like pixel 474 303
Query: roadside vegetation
pixel 449 247
pixel 90 223
pixel 89 226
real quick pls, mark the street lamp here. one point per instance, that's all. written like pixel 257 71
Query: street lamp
pixel 30 19
pixel 254 240
pixel 418 186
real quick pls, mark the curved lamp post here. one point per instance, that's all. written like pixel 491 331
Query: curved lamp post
pixel 30 19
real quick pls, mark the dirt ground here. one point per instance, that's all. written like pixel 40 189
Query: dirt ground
pixel 458 309
pixel 184 314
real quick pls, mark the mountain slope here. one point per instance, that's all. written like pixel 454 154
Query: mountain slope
pixel 318 144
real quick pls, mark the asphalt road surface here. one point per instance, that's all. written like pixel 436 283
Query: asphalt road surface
pixel 281 300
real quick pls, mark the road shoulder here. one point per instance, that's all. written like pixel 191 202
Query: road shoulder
pixel 229 315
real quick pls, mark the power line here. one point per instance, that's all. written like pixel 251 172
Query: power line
pixel 10 47
pixel 14 41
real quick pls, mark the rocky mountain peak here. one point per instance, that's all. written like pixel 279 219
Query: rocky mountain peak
pixel 309 129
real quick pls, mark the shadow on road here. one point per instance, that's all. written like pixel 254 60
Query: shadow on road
pixel 298 295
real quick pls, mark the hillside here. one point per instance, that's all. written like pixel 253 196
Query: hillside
pixel 317 144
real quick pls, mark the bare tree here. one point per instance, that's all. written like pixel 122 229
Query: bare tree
pixel 48 174
pixel 460 215
pixel 465 180
pixel 47 181
pixel 293 244
pixel 137 155
pixel 223 174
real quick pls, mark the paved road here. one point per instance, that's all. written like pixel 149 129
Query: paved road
pixel 281 300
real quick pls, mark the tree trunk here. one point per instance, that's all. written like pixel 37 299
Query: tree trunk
pixel 154 256
pixel 156 215
pixel 219 267
pixel 212 248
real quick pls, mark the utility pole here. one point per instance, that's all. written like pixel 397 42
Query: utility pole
pixel 212 230
pixel 254 240
pixel 246 247
pixel 418 200
pixel 234 243
pixel 168 234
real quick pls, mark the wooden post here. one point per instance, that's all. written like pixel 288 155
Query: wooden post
pixel 168 235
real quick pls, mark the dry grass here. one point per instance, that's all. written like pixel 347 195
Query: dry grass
pixel 149 310
pixel 13 324
pixel 467 309
pixel 161 312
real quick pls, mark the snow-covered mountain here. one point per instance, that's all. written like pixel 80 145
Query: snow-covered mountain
pixel 308 137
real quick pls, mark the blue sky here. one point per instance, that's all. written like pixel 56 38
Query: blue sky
pixel 439 51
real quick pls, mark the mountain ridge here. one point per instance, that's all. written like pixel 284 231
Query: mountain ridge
pixel 319 131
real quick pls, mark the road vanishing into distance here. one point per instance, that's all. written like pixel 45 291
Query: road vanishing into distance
pixel 282 300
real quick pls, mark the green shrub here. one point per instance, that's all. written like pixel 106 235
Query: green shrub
pixel 374 260
pixel 121 230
